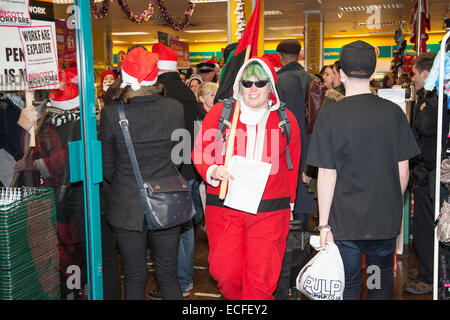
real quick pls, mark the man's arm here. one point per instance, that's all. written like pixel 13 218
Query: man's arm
pixel 326 182
pixel 403 172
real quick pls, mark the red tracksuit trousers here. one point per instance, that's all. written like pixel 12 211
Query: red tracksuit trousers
pixel 246 251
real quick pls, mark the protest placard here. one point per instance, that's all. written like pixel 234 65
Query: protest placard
pixel 14 13
pixel 41 60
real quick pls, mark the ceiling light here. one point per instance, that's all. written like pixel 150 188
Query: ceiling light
pixel 277 38
pixel 382 32
pixel 215 40
pixel 350 35
pixel 386 23
pixel 272 12
pixel 372 7
pixel 204 31
pixel 285 28
pixel 145 42
pixel 128 33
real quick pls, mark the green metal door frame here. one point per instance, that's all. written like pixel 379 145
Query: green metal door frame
pixel 85 155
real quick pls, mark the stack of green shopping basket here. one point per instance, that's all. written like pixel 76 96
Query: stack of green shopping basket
pixel 29 259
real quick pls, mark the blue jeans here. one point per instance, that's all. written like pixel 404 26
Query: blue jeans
pixel 303 217
pixel 185 268
pixel 194 184
pixel 379 265
pixel 185 265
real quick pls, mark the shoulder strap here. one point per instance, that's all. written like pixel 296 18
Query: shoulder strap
pixel 225 117
pixel 224 120
pixel 123 122
pixel 285 128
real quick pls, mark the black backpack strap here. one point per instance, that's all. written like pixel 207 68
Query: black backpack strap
pixel 225 117
pixel 285 128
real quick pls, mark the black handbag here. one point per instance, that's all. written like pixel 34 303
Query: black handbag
pixel 167 201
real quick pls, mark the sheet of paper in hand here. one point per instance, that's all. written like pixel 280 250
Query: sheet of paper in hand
pixel 246 189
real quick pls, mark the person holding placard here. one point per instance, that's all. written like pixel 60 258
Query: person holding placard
pixel 247 241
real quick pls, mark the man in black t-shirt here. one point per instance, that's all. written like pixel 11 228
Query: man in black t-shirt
pixel 361 146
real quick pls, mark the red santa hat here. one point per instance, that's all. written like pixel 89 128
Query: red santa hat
pixel 274 58
pixel 168 58
pixel 67 96
pixel 139 68
pixel 105 73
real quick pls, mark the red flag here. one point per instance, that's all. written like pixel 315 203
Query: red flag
pixel 249 37
pixel 251 33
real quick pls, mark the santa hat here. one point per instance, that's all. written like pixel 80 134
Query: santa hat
pixel 167 57
pixel 104 74
pixel 66 97
pixel 274 58
pixel 139 68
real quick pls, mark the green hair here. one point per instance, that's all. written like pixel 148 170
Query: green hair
pixel 255 69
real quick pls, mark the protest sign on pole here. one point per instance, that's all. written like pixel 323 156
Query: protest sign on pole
pixel 40 53
pixel 12 57
pixel 14 13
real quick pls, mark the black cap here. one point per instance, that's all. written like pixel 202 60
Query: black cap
pixel 205 67
pixel 358 59
pixel 289 46
pixel 228 49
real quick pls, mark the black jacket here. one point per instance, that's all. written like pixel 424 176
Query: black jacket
pixel 152 119
pixel 292 86
pixel 176 89
pixel 425 126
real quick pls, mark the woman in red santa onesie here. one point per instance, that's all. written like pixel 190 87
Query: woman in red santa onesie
pixel 246 250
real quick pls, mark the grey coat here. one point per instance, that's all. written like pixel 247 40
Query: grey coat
pixel 291 87
pixel 152 119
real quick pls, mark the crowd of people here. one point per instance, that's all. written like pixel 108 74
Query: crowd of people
pixel 345 155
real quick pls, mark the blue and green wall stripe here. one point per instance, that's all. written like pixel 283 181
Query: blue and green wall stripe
pixel 329 53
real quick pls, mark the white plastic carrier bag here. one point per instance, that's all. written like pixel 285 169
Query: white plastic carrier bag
pixel 323 278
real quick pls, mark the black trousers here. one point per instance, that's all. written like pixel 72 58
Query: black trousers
pixel 423 232
pixel 164 247
pixel 111 274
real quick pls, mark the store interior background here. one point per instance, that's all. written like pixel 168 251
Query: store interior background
pixel 344 21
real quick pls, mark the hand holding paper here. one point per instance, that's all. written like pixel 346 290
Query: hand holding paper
pixel 221 173
pixel 246 189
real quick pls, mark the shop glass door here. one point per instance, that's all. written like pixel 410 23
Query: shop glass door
pixel 50 223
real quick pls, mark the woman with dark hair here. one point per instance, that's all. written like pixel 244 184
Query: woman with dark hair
pixel 193 83
pixel 152 118
pixel 388 81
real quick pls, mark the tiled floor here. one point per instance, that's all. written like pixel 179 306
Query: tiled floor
pixel 205 287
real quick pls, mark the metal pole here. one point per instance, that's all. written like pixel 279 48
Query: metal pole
pixel 419 27
pixel 89 147
pixel 438 163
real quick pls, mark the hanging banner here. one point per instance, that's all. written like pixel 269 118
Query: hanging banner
pixel 182 50
pixel 14 13
pixel 40 53
pixel 41 10
pixel 313 42
pixel 65 41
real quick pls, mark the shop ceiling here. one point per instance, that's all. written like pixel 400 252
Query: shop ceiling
pixel 283 19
